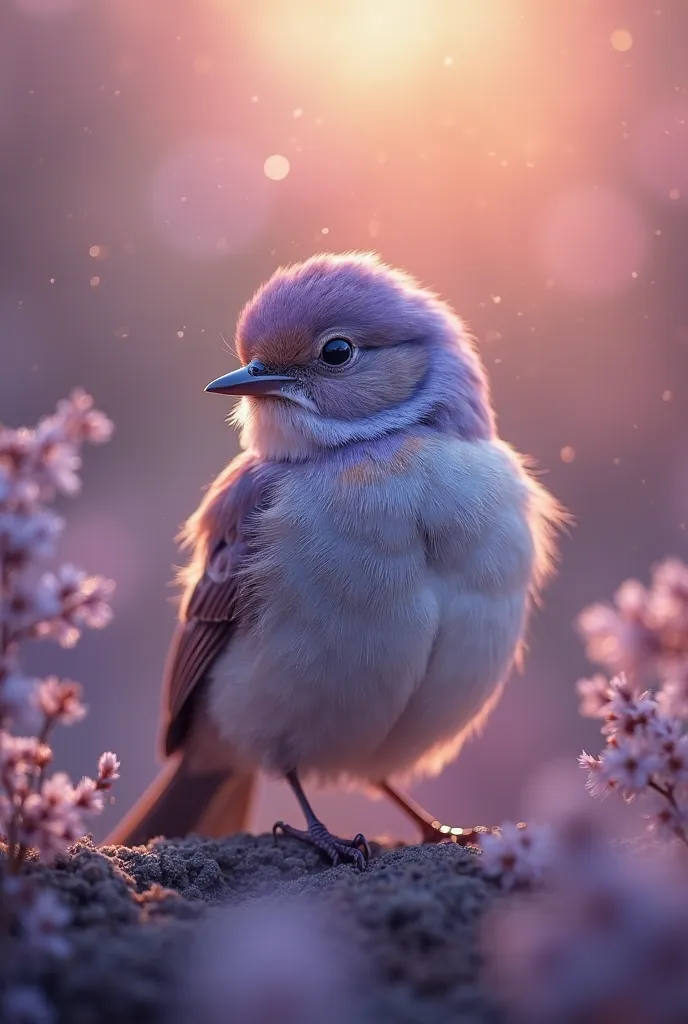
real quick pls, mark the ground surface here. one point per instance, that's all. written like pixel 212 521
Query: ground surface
pixel 413 915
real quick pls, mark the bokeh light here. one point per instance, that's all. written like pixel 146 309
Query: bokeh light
pixel 621 39
pixel 276 167
pixel 592 240
pixel 209 198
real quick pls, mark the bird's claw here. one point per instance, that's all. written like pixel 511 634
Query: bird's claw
pixel 436 832
pixel 356 850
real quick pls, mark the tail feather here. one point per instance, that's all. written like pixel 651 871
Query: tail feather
pixel 178 802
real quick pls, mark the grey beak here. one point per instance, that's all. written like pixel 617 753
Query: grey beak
pixel 250 380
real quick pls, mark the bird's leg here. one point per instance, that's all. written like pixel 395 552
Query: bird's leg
pixel 356 850
pixel 432 830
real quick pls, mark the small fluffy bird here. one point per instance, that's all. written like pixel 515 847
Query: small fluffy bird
pixel 361 574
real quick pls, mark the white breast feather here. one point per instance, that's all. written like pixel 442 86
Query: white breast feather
pixel 389 609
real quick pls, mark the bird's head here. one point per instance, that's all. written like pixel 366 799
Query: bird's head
pixel 340 349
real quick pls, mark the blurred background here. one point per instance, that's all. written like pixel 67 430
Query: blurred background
pixel 526 159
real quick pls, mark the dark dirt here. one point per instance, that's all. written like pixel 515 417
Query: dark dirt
pixel 412 915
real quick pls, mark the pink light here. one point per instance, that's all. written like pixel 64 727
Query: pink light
pixel 210 198
pixel 592 241
pixel 47 8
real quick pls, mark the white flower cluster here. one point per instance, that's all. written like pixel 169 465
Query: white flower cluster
pixel 607 940
pixel 37 810
pixel 646 636
pixel 606 936
pixel 46 814
pixel 517 855
pixel 645 632
pixel 646 755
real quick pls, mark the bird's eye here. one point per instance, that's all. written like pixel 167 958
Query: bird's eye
pixel 337 351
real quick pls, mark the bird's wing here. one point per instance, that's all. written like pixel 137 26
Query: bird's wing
pixel 219 534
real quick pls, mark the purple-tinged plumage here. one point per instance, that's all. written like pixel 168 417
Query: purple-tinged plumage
pixel 361 575
pixel 414 360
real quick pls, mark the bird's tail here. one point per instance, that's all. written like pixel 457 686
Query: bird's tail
pixel 179 801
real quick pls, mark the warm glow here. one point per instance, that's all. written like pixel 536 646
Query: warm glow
pixel 365 41
pixel 621 40
pixel 276 167
pixel 202 64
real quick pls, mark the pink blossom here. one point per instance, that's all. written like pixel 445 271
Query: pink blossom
pixel 68 581
pixel 664 731
pixel 17 447
pixel 609 640
pixel 631 599
pixel 50 818
pixel 646 627
pixel 609 942
pixel 673 760
pixel 597 783
pixel 94 610
pixel 628 766
pixel 19 752
pixel 32 534
pixel 57 793
pixel 46 813
pixel 35 464
pixel 594 693
pixel 673 694
pixel 108 767
pixel 61 464
pixel 60 699
pixel 516 855
pixel 59 629
pixel 27 606
pixel 665 820
pixel 628 714
pixel 88 797
pixel 671 574
pixel 79 599
pixel 80 421
pixel 58 437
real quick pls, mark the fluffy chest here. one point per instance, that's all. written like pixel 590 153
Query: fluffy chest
pixel 347 534
pixel 367 531
pixel 374 581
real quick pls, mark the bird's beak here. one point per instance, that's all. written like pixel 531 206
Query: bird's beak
pixel 250 380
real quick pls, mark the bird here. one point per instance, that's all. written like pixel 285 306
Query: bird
pixel 361 576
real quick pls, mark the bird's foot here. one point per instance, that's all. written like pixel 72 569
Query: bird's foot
pixel 436 832
pixel 355 850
